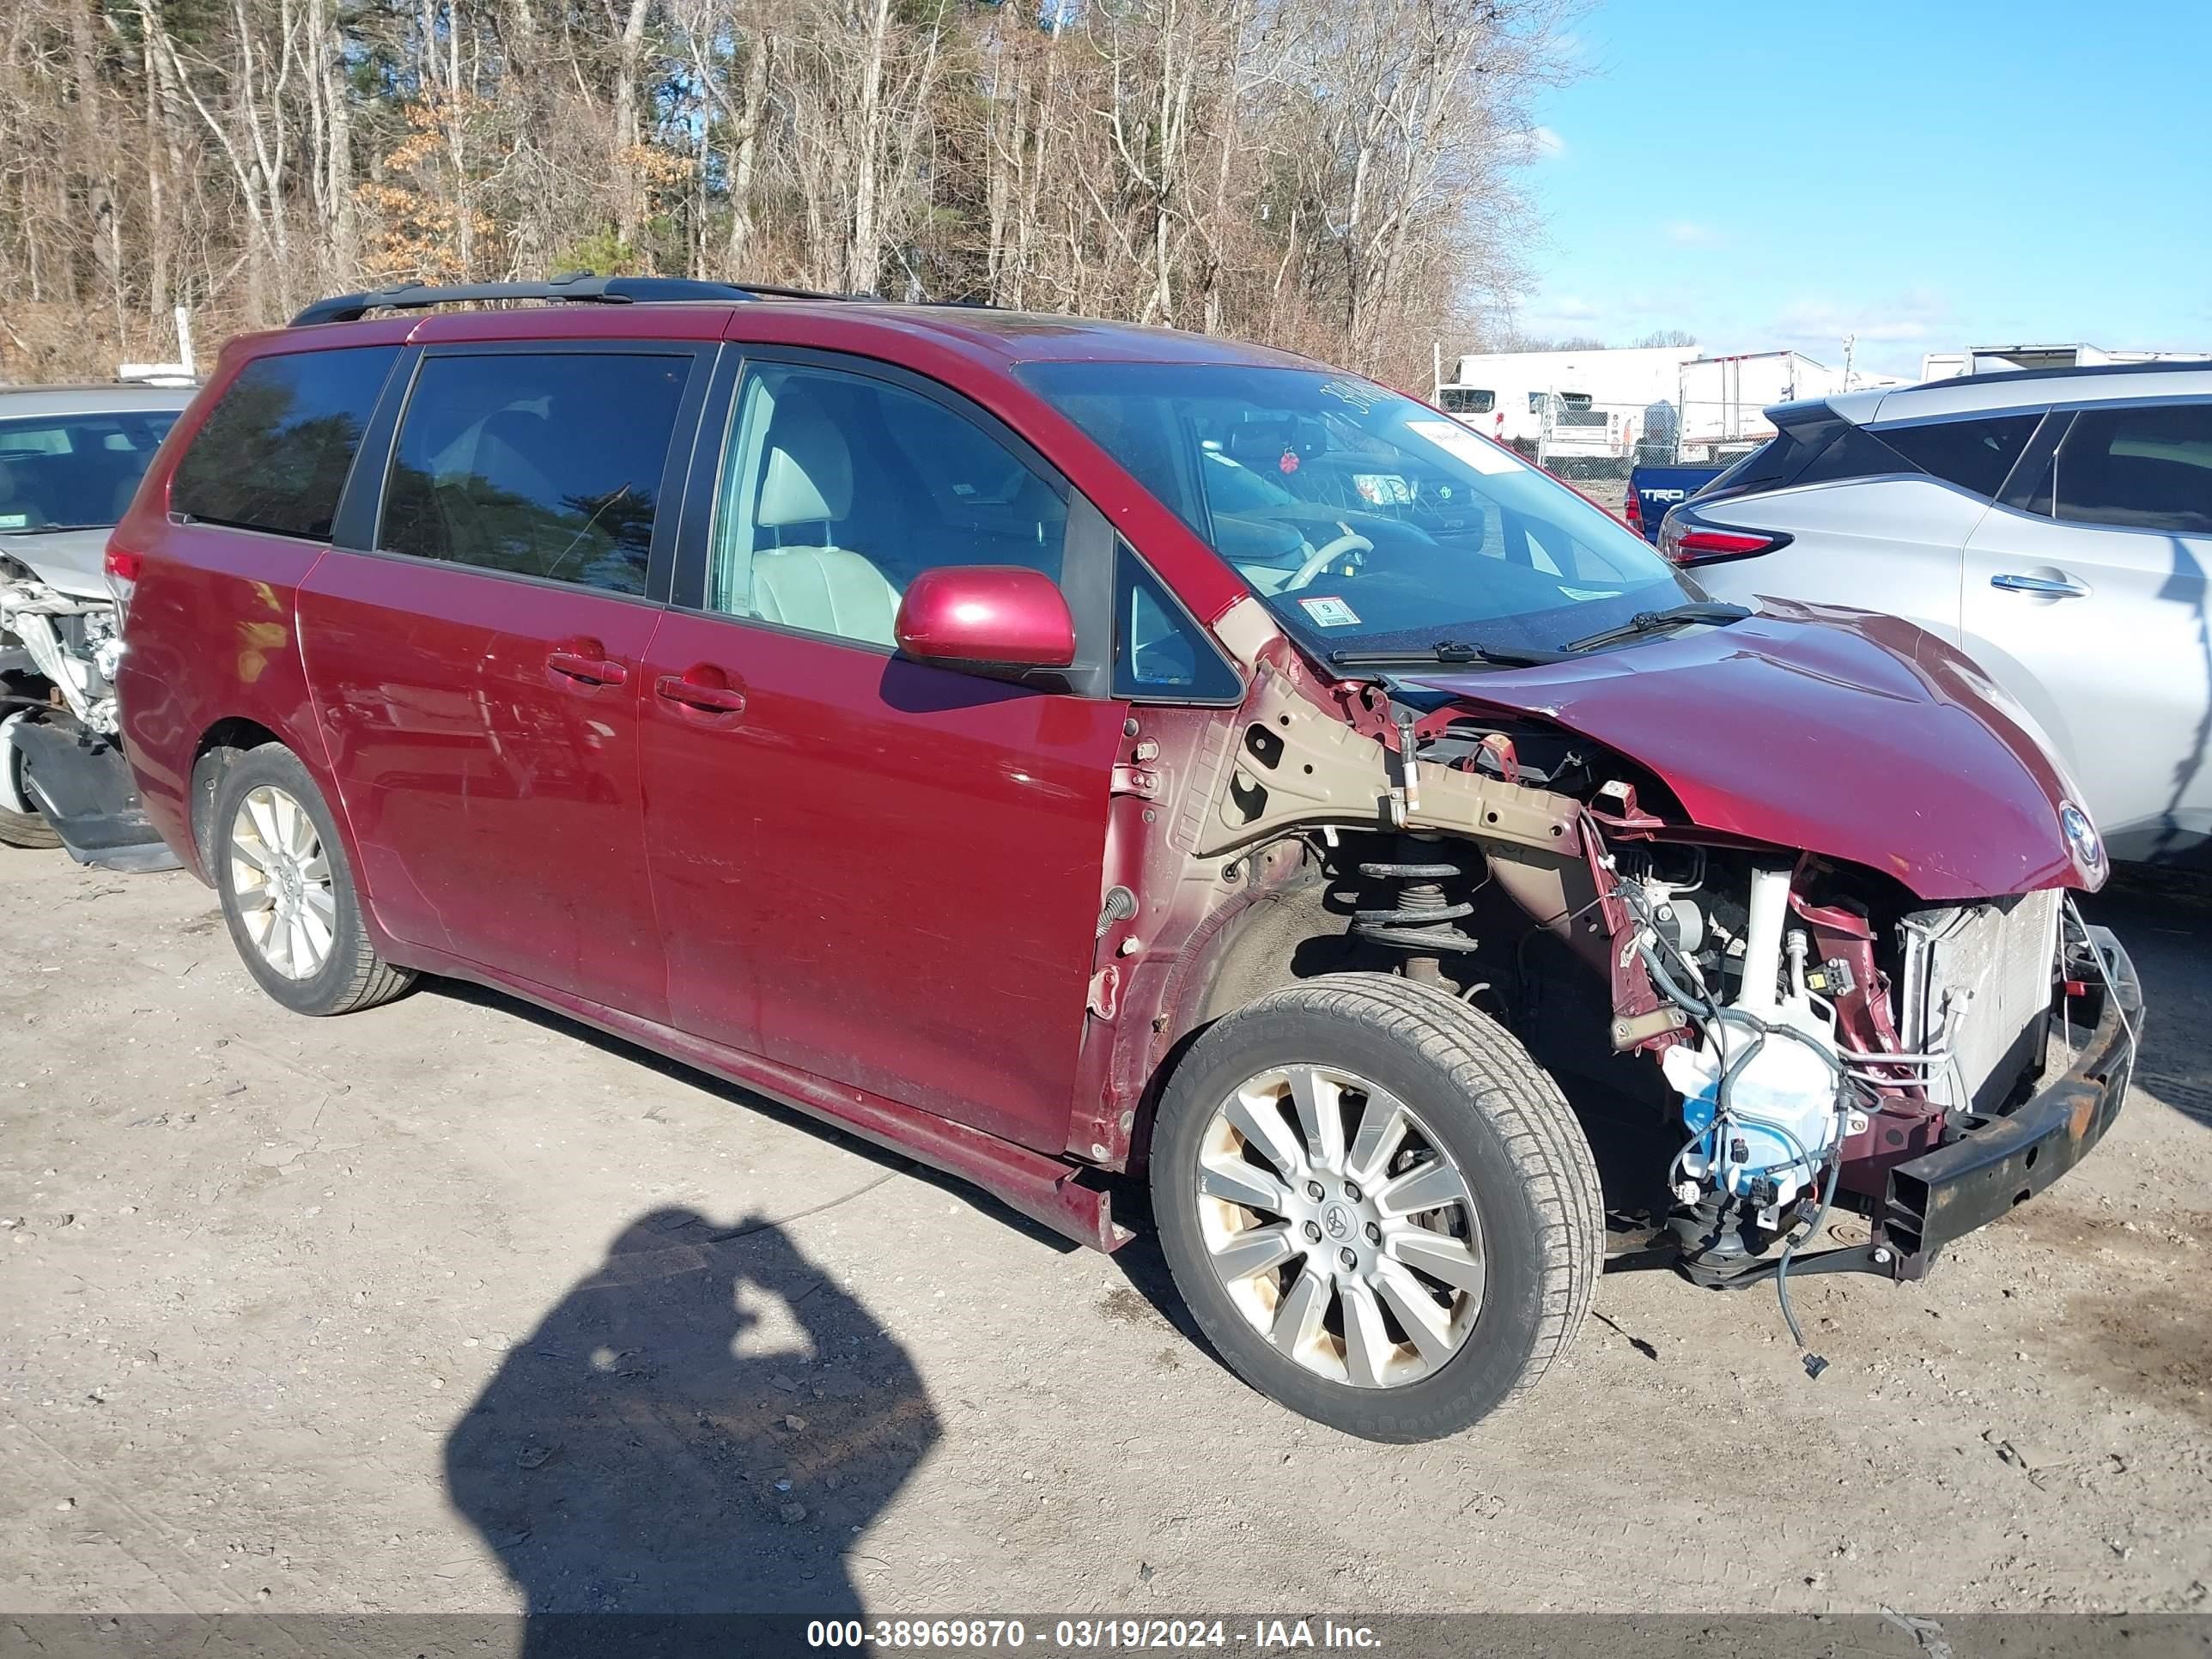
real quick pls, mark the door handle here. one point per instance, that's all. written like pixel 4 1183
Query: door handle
pixel 586 662
pixel 703 687
pixel 2054 587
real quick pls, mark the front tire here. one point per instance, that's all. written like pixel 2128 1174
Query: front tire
pixel 21 823
pixel 26 830
pixel 288 893
pixel 1381 1211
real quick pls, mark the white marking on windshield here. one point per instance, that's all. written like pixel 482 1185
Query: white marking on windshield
pixel 1361 398
pixel 1462 445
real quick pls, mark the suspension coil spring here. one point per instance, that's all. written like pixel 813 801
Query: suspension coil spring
pixel 1423 922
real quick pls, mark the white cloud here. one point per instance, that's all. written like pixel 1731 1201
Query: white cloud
pixel 1686 233
pixel 1557 316
pixel 1890 331
pixel 1538 144
pixel 1919 315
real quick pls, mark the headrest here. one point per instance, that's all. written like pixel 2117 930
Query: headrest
pixel 810 470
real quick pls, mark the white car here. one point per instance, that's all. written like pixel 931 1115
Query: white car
pixel 70 459
pixel 2057 526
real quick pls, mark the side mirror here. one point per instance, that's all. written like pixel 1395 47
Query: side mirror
pixel 994 616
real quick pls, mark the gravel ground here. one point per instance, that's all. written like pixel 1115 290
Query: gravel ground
pixel 452 1307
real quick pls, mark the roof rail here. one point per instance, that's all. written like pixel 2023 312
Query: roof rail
pixel 578 285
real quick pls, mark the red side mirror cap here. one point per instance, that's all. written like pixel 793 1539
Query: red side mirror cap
pixel 998 616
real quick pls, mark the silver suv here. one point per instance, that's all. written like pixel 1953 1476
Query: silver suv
pixel 2057 526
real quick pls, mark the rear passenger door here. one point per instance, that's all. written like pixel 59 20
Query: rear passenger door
pixel 474 643
pixel 877 870
pixel 2085 595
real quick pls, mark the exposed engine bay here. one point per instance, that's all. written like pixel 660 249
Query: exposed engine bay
pixel 72 643
pixel 1791 1027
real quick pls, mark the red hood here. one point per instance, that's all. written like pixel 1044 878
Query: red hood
pixel 1842 732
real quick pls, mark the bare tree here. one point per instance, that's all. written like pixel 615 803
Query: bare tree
pixel 1340 180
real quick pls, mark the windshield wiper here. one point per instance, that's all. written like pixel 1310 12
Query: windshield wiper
pixel 1448 652
pixel 1651 621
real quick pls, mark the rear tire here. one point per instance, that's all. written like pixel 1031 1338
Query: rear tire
pixel 1418 1264
pixel 288 892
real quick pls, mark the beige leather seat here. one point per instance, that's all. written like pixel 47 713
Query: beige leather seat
pixel 826 590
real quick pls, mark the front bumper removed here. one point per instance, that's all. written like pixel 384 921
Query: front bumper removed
pixel 83 785
pixel 1994 1164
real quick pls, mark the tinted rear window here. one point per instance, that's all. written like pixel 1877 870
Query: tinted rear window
pixel 1975 454
pixel 1775 464
pixel 274 453
pixel 1853 453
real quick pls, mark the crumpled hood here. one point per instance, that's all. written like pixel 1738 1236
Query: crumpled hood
pixel 67 559
pixel 1840 732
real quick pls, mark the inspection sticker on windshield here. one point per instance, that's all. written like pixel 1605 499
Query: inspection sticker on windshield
pixel 1329 611
pixel 1478 453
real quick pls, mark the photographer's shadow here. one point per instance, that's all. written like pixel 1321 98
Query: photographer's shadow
pixel 703 1424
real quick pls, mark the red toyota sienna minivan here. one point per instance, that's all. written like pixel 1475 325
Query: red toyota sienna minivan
pixel 1070 752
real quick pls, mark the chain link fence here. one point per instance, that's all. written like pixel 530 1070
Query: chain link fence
pixel 1595 445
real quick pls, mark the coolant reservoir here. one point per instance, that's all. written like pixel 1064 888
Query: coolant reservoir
pixel 1782 1108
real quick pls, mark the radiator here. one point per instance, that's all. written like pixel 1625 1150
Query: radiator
pixel 1981 973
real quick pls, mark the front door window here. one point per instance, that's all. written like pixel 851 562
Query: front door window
pixel 837 490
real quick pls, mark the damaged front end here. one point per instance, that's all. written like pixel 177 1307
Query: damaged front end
pixel 1897 1012
pixel 61 759
pixel 1899 1065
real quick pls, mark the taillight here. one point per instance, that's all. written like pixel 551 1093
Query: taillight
pixel 122 567
pixel 1692 544
pixel 1631 512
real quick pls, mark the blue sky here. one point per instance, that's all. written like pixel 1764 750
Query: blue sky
pixel 1931 174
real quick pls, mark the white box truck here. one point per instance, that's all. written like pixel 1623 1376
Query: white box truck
pixel 1723 400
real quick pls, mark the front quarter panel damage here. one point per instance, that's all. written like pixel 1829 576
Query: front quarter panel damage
pixel 1214 829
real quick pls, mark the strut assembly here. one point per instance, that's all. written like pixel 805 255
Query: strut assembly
pixel 1424 922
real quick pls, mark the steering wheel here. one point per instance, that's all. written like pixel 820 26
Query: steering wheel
pixel 1350 542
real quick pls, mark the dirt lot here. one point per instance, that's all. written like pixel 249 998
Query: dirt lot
pixel 451 1306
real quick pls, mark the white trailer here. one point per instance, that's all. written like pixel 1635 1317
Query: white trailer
pixel 1723 400
pixel 1569 405
pixel 1987 360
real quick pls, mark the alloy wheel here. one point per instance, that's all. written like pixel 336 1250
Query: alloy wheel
pixel 1341 1227
pixel 282 880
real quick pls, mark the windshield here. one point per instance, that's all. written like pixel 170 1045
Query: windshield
pixel 74 471
pixel 1361 519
